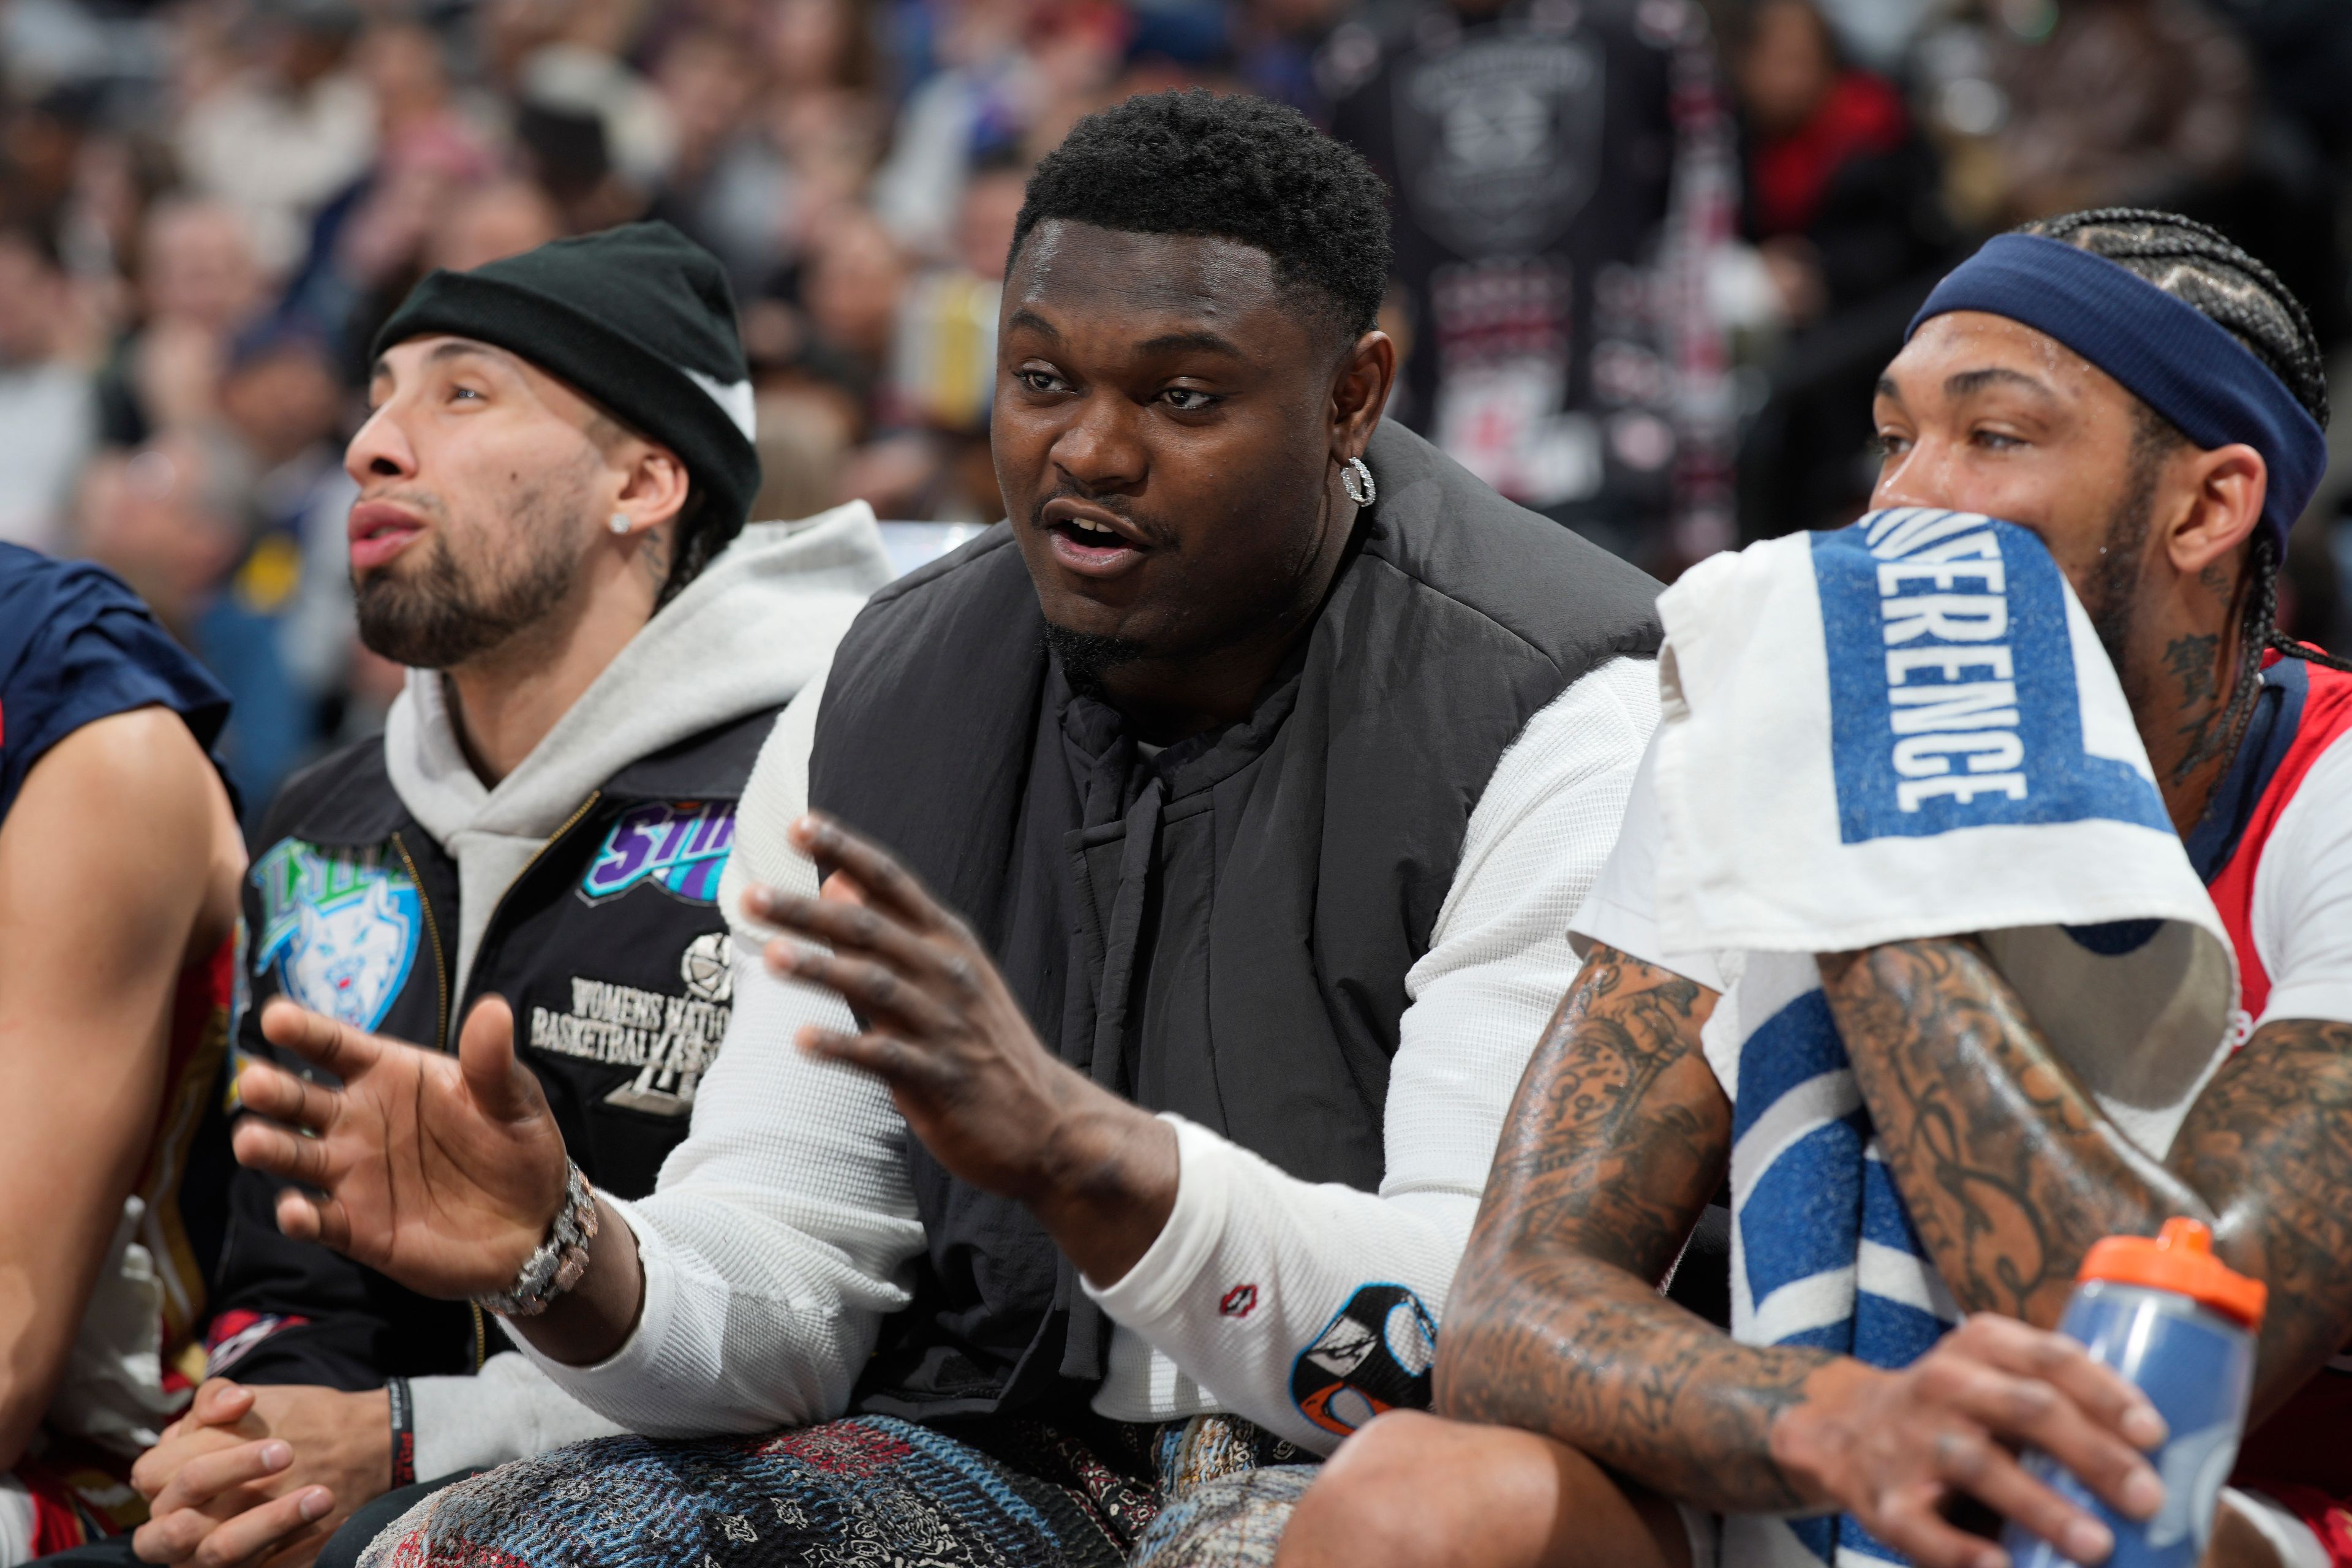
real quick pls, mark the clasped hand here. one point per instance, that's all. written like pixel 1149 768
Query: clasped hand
pixel 260 1474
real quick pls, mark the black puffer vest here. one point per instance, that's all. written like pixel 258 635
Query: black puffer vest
pixel 1224 930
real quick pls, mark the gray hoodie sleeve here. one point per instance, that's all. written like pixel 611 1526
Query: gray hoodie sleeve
pixel 508 1410
pixel 783 1229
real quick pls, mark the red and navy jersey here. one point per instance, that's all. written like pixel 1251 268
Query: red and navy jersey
pixel 2304 710
pixel 77 645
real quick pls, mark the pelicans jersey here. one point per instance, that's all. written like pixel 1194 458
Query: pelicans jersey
pixel 77 645
pixel 2270 852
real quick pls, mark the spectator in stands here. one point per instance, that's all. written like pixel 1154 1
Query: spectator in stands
pixel 49 415
pixel 1842 198
pixel 934 463
pixel 850 288
pixel 503 218
pixel 1617 1411
pixel 291 129
pixel 1266 752
pixel 549 483
pixel 2088 103
pixel 171 517
pixel 120 861
pixel 1010 66
pixel 199 285
pixel 281 399
pixel 709 83
pixel 1534 151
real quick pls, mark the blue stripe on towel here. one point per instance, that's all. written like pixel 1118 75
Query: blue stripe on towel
pixel 1806 1197
pixel 1884 1218
pixel 1952 671
pixel 1800 1214
pixel 1796 1043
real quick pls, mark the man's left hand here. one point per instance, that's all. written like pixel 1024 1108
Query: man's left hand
pixel 965 1069
pixel 262 1475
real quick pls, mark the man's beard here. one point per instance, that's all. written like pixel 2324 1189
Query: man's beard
pixel 450 613
pixel 1086 657
pixel 2110 596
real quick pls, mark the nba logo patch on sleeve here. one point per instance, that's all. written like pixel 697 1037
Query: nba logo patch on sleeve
pixel 679 846
pixel 1374 1355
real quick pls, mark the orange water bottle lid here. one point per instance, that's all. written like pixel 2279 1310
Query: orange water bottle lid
pixel 2180 1259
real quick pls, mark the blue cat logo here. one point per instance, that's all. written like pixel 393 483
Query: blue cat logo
pixel 342 927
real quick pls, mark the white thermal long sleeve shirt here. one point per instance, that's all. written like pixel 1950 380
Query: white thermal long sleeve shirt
pixel 783 1227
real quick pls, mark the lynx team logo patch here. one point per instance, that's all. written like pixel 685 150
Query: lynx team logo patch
pixel 680 845
pixel 342 927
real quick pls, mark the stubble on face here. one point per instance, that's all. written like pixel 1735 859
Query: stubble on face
pixel 2110 594
pixel 2185 679
pixel 471 597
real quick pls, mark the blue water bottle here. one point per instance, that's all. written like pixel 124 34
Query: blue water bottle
pixel 2179 1323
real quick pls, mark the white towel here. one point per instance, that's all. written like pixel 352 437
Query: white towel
pixel 1907 729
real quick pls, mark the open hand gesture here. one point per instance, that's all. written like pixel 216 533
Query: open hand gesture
pixel 444 1173
pixel 964 1066
pixel 941 1028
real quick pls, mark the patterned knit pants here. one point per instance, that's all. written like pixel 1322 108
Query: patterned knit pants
pixel 872 1490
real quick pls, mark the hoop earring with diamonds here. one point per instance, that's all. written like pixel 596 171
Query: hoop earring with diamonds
pixel 1355 475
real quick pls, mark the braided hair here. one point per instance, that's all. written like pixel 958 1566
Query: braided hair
pixel 2200 268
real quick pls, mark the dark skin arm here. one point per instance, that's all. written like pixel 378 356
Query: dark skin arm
pixel 1617 1138
pixel 2010 1172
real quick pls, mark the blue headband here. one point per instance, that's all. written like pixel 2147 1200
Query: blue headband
pixel 2176 360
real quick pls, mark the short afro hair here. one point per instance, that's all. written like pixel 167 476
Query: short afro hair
pixel 1236 168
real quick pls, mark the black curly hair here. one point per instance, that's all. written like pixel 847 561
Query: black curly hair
pixel 2199 267
pixel 1235 168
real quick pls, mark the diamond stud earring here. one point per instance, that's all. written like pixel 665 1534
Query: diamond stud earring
pixel 619 523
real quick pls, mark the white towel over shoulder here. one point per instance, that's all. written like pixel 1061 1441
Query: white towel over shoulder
pixel 1907 729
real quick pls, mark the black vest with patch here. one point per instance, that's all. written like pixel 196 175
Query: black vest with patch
pixel 1223 931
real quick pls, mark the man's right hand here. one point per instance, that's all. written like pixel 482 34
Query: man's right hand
pixel 445 1174
pixel 1894 1449
pixel 260 1474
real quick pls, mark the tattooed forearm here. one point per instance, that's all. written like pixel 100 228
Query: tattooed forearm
pixel 1616 1141
pixel 2006 1166
pixel 2270 1144
pixel 2009 1171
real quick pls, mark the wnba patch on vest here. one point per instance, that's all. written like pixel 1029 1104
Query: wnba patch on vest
pixel 1953 700
pixel 671 1040
pixel 680 845
pixel 341 926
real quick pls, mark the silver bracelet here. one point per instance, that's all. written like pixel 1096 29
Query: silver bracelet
pixel 560 1261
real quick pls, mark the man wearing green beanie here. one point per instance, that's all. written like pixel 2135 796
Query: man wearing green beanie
pixel 551 533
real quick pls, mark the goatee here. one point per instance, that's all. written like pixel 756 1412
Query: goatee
pixel 1086 657
pixel 447 613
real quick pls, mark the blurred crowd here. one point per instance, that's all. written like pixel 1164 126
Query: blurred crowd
pixel 1651 254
